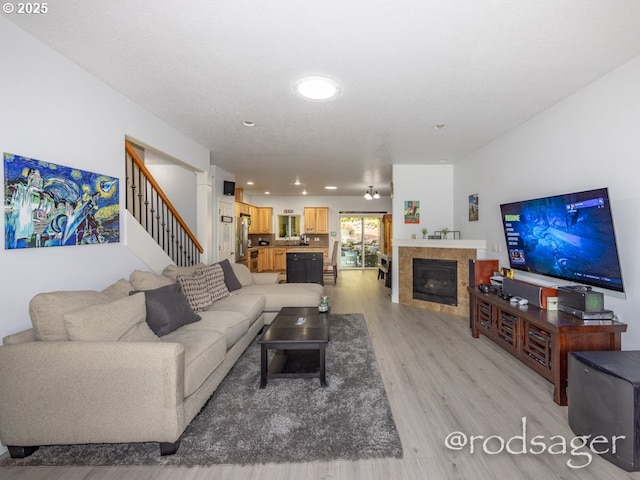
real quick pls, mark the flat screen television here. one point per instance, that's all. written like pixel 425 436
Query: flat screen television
pixel 570 237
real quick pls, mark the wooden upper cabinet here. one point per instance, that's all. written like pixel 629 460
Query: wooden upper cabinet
pixel 316 220
pixel 253 211
pixel 263 220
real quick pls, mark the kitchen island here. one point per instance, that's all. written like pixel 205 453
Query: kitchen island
pixel 305 265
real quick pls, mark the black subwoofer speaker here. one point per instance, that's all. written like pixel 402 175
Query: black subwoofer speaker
pixel 603 394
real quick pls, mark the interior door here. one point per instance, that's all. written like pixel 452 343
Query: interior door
pixel 226 230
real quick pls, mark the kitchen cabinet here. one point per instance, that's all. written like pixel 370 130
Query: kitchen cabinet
pixel 253 212
pixel 316 220
pixel 279 259
pixel 243 208
pixel 265 260
pixel 263 220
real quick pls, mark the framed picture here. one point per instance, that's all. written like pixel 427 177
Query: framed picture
pixel 411 211
pixel 49 205
pixel 473 207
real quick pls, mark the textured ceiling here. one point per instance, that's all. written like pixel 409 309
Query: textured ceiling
pixel 482 67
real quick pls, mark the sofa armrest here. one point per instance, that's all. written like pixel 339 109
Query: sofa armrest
pixel 262 278
pixel 24 336
pixel 91 392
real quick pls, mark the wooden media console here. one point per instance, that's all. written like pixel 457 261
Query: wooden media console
pixel 541 339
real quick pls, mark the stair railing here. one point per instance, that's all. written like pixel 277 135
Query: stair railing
pixel 154 211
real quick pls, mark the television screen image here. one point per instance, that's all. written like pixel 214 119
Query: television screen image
pixel 568 236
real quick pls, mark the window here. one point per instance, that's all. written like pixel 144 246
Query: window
pixel 288 227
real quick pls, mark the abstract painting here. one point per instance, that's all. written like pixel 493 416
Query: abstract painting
pixel 48 205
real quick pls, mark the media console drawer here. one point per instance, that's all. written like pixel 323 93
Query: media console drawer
pixel 541 339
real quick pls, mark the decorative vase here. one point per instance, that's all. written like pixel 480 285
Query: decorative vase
pixel 324 304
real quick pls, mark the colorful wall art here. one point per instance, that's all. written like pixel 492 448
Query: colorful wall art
pixel 474 208
pixel 411 211
pixel 48 205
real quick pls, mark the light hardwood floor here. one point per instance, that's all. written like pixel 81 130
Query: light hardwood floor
pixel 439 380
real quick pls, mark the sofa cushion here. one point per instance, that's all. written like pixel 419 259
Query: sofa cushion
pixel 196 289
pixel 202 354
pixel 285 294
pixel 172 271
pixel 243 274
pixel 251 306
pixel 120 320
pixel 47 311
pixel 119 289
pixel 233 325
pixel 214 275
pixel 167 309
pixel 148 280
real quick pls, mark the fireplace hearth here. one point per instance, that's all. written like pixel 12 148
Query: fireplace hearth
pixel 435 280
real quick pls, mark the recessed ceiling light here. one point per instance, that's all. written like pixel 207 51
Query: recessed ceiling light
pixel 316 88
pixel 330 187
pixel 249 182
pixel 249 123
pixel 440 126
pixel 297 182
pixel 267 193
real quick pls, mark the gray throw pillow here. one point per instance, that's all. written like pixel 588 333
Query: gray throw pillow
pixel 167 309
pixel 230 278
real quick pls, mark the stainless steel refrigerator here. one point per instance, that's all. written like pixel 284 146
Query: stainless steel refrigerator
pixel 242 238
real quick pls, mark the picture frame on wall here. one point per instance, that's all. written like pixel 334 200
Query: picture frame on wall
pixel 49 205
pixel 412 211
pixel 473 207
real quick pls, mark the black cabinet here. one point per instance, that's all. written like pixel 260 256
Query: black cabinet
pixel 305 267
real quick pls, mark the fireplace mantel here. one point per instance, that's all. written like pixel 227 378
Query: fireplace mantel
pixel 470 244
pixel 459 250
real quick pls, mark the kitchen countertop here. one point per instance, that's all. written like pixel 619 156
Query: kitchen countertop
pixel 305 249
pixel 290 247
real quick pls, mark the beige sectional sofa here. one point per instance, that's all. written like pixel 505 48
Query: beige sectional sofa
pixel 117 367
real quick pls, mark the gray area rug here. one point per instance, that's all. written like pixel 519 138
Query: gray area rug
pixel 291 420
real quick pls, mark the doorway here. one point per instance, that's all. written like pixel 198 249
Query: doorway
pixel 359 241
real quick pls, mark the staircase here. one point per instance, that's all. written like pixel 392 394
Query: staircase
pixel 149 205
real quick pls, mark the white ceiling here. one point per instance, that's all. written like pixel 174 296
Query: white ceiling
pixel 482 67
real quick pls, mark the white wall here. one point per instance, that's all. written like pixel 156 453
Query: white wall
pixel 53 110
pixel 178 182
pixel 589 140
pixel 432 186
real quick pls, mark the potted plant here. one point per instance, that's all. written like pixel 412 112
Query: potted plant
pixel 424 233
pixel 445 231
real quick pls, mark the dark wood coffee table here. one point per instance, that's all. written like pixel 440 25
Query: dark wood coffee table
pixel 300 336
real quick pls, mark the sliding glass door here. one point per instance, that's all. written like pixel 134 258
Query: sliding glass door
pixel 359 241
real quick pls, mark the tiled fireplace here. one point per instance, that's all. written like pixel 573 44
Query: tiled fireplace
pixel 444 253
